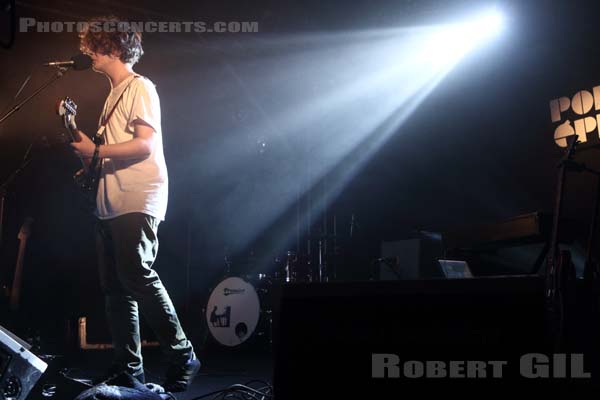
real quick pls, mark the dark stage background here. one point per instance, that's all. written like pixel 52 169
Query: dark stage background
pixel 478 149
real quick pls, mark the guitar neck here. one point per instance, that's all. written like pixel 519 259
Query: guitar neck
pixel 85 163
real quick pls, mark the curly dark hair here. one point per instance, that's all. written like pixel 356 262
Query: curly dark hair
pixel 111 35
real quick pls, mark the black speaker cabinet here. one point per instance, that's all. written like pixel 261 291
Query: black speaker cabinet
pixel 373 339
pixel 413 259
pixel 19 368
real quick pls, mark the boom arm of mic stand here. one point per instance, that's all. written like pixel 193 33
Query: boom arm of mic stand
pixel 59 74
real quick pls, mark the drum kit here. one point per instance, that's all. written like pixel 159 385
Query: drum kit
pixel 239 308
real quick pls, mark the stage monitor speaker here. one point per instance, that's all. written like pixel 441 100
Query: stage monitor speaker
pixel 327 337
pixel 19 368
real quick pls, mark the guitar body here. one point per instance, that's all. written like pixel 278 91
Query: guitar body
pixel 88 177
pixel 87 180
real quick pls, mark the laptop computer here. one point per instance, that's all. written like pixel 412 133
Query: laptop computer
pixel 455 269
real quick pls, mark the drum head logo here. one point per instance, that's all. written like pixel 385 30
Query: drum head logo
pixel 228 291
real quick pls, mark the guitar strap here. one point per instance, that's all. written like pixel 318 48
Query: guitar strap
pixel 106 117
pixel 100 133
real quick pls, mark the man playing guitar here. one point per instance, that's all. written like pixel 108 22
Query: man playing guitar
pixel 131 201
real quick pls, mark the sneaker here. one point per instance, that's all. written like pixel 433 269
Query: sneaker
pixel 180 377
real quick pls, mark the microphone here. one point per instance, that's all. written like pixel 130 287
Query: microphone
pixel 78 62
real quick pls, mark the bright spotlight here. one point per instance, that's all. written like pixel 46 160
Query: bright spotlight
pixel 449 43
pixel 489 24
pixel 365 93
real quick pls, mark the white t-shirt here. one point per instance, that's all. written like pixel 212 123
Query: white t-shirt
pixel 135 185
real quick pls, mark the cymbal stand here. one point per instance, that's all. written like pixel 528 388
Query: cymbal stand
pixel 322 250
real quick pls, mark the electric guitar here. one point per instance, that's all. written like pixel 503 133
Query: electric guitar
pixel 87 178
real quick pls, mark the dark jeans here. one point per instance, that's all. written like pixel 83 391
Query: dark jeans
pixel 127 246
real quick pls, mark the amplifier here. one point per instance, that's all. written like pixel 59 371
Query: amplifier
pixel 19 368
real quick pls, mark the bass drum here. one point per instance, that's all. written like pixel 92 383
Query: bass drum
pixel 233 311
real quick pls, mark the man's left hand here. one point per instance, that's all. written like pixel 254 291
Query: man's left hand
pixel 83 145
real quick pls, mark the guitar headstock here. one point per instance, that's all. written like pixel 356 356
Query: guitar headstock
pixel 67 109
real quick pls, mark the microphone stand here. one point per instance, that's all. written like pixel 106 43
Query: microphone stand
pixel 60 72
pixel 591 273
pixel 559 268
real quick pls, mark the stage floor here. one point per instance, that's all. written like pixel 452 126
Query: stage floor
pixel 219 371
